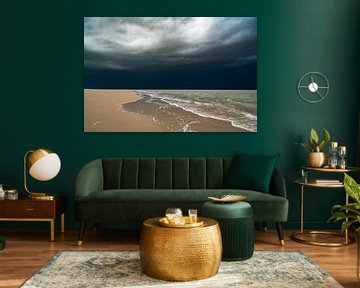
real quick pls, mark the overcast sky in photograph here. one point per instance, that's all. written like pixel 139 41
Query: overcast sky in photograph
pixel 170 52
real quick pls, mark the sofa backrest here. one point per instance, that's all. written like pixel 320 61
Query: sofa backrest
pixel 165 173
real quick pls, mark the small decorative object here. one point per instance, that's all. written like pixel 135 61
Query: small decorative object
pixel 43 165
pixel 349 214
pixel 333 147
pixel 2 192
pixel 228 198
pixel 304 176
pixel 342 154
pixel 186 224
pixel 313 87
pixel 179 220
pixel 11 194
pixel 173 215
pixel 193 215
pixel 317 158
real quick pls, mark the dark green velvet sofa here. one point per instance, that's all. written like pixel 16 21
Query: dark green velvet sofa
pixel 130 190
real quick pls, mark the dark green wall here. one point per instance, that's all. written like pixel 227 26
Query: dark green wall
pixel 42 95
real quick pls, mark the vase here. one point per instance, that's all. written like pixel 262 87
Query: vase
pixel 317 159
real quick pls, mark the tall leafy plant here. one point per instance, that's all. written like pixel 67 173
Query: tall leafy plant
pixel 314 144
pixel 349 214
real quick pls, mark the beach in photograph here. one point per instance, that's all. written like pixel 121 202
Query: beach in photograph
pixel 103 112
pixel 170 111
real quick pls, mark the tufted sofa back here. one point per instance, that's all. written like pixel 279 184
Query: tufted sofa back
pixel 164 173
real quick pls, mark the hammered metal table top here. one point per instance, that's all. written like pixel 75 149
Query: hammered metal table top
pixel 154 222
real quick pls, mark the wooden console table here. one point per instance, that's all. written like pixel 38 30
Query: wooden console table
pixel 26 209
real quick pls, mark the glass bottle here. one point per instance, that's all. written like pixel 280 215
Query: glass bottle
pixel 174 215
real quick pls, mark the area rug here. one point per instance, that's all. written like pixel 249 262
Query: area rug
pixel 80 269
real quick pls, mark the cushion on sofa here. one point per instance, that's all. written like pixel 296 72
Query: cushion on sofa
pixel 134 204
pixel 170 195
pixel 251 172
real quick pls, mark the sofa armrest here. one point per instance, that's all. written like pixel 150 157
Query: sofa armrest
pixel 277 184
pixel 89 179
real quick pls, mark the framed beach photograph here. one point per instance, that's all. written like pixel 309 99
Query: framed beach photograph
pixel 170 74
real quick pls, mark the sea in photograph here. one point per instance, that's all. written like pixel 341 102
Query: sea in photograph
pixel 197 110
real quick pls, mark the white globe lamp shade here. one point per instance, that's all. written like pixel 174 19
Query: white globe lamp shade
pixel 44 164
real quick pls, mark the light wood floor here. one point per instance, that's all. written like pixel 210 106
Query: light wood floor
pixel 28 250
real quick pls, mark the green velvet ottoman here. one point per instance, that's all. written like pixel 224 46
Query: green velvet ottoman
pixel 236 221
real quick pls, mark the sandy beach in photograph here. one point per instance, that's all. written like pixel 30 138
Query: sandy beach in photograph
pixel 126 111
pixel 103 112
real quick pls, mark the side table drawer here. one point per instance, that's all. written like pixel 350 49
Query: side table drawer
pixel 31 209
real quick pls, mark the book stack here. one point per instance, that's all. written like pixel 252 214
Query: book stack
pixel 327 181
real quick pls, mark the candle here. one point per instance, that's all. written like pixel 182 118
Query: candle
pixel 333 144
pixel 342 149
pixel 342 154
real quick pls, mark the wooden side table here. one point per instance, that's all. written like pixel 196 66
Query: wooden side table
pixel 26 209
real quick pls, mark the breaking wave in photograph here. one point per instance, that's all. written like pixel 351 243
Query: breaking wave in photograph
pixel 238 107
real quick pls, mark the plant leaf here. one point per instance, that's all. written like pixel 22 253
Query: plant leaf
pixel 312 144
pixel 337 216
pixel 350 207
pixel 314 135
pixel 306 146
pixel 346 225
pixel 326 136
pixel 352 188
pixel 321 146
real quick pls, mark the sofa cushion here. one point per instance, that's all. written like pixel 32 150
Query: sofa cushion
pixel 251 172
pixel 266 207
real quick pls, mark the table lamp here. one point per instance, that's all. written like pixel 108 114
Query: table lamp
pixel 43 165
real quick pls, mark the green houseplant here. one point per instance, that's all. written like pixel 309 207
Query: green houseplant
pixel 317 157
pixel 350 214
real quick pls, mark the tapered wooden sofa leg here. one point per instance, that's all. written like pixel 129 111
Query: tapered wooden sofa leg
pixel 280 233
pixel 265 227
pixel 81 233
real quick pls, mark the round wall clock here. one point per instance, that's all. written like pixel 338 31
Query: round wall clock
pixel 313 87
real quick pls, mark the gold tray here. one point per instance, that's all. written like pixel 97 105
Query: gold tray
pixel 228 198
pixel 165 222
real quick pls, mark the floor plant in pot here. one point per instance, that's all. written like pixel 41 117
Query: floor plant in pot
pixel 317 157
pixel 350 214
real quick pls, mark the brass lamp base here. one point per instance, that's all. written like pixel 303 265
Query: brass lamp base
pixel 41 196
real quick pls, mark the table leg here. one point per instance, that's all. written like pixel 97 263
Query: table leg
pixel 302 209
pixel 63 223
pixel 346 230
pixel 52 230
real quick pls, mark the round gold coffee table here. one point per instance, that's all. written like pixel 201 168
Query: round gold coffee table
pixel 180 254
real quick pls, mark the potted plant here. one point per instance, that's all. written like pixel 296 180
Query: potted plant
pixel 350 214
pixel 317 157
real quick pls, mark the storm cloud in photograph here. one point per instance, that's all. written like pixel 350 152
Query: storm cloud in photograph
pixel 170 53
